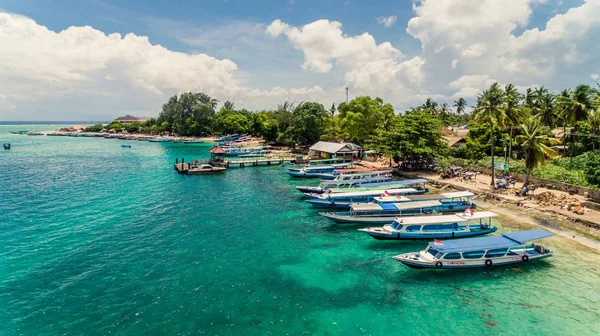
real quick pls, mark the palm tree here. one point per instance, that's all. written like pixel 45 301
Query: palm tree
pixel 534 147
pixel 576 107
pixel 544 107
pixel 513 112
pixel 332 110
pixel 489 109
pixel 430 106
pixel 460 105
pixel 444 110
pixel 229 105
pixel 203 98
pixel 594 122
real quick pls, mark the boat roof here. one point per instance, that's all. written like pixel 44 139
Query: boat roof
pixel 478 215
pixel 372 192
pixel 458 194
pixel 413 181
pixel 393 199
pixel 454 218
pixel 367 187
pixel 413 205
pixel 441 196
pixel 484 243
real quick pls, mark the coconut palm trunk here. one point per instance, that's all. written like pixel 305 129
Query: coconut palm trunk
pixel 510 147
pixel 493 183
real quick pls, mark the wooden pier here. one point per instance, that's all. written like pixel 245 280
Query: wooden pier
pixel 182 167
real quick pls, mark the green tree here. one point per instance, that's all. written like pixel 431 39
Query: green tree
pixel 490 109
pixel 94 128
pixel 414 136
pixel 362 116
pixel 229 105
pixel 575 107
pixel 114 125
pixel 513 114
pixel 133 127
pixel 534 146
pixel 460 105
pixel 308 124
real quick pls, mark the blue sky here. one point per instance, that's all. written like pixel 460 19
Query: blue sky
pixel 429 48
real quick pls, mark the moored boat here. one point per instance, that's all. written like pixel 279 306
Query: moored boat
pixel 344 200
pixel 383 210
pixel 316 171
pixel 204 169
pixel 428 227
pixel 159 139
pixel 509 248
pixel 357 184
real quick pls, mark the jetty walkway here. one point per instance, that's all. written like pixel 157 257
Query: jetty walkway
pixel 182 167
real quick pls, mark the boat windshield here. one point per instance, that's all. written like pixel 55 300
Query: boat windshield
pixel 433 251
pixel 397 226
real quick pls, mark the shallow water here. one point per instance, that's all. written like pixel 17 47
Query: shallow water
pixel 99 239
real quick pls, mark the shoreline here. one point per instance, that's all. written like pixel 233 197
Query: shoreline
pixel 561 229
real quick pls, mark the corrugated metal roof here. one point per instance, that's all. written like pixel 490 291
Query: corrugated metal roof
pixel 329 147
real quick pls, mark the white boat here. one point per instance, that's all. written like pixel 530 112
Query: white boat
pixel 356 185
pixel 160 139
pixel 429 227
pixel 509 248
pixel 204 168
pixel 344 200
pixel 383 210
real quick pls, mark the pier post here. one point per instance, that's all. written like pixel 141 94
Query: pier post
pixel 182 160
pixel 176 160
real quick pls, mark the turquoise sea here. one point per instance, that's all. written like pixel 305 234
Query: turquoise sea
pixel 97 239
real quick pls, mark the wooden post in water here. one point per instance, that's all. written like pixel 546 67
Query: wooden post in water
pixel 176 160
pixel 182 160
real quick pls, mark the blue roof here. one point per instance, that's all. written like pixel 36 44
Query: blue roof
pixel 388 206
pixel 496 242
pixel 525 236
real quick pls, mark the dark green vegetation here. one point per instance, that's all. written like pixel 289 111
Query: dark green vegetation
pixel 529 125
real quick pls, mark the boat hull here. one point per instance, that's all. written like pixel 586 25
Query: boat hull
pixel 462 264
pixel 388 218
pixel 381 234
pixel 202 172
pixel 345 204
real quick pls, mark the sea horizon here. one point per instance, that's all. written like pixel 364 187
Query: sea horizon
pixel 52 122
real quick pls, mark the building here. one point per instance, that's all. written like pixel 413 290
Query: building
pixel 455 141
pixel 128 119
pixel 328 150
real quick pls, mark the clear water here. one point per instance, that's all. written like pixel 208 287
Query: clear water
pixel 99 239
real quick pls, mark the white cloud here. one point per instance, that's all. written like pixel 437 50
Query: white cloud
pixel 387 21
pixel 81 72
pixel 466 46
pixel 323 42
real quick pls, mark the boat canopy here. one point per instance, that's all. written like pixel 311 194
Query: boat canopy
pixel 478 215
pixel 364 207
pixel 422 220
pixel 392 199
pixel 458 194
pixel 505 241
pixel 415 181
pixel 370 193
pixel 413 205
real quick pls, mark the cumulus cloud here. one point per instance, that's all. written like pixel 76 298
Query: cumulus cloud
pixel 323 43
pixel 84 72
pixel 387 21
